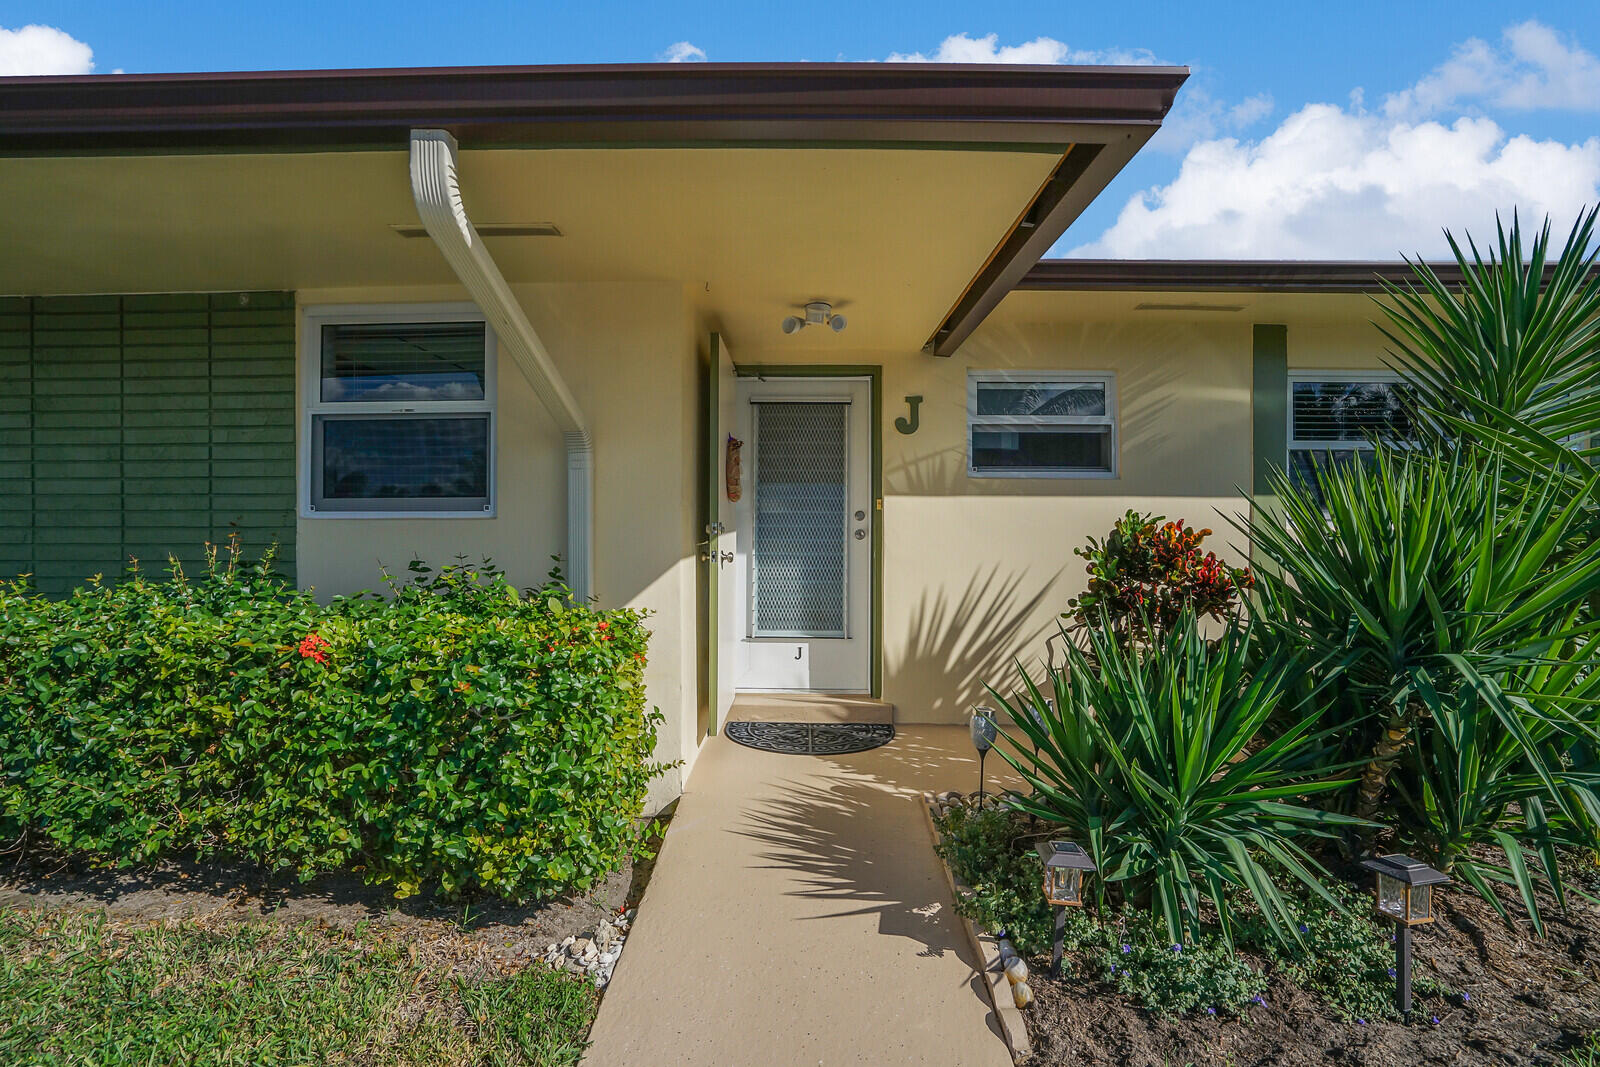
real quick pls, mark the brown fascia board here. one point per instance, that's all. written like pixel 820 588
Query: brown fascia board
pixel 1083 173
pixel 638 104
pixel 1225 275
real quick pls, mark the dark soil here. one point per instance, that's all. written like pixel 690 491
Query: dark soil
pixel 473 939
pixel 1529 1001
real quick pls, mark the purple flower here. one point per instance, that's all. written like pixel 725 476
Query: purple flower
pixel 1465 997
pixel 1126 949
pixel 1258 999
pixel 1211 1011
pixel 1391 972
pixel 1361 1022
pixel 1177 948
pixel 1436 1020
pixel 1304 929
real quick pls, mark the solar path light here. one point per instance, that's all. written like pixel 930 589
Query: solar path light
pixel 1405 898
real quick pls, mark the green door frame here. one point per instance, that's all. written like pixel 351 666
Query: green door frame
pixel 874 373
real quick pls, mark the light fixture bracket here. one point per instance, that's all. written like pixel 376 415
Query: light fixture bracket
pixel 815 313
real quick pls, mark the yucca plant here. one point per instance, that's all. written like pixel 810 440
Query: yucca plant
pixel 1157 760
pixel 1474 783
pixel 1509 355
pixel 1429 590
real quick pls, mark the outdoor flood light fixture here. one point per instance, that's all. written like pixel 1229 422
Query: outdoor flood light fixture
pixel 1065 865
pixel 983 732
pixel 818 313
pixel 1405 897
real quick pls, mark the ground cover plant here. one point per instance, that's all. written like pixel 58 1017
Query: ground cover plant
pixel 76 988
pixel 457 734
pixel 1340 955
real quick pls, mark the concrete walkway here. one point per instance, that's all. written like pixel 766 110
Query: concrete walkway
pixel 797 915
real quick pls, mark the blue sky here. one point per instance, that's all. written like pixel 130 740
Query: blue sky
pixel 1307 131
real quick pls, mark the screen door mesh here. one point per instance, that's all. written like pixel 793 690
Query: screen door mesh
pixel 798 579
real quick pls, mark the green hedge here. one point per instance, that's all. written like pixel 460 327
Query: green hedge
pixel 454 734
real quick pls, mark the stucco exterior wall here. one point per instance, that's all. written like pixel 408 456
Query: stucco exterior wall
pixel 626 351
pixel 978 570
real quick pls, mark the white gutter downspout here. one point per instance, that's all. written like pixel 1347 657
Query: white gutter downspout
pixel 437 190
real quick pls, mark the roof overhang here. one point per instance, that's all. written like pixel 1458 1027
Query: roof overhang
pixel 1012 155
pixel 640 104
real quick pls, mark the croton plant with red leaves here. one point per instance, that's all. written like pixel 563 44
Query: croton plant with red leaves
pixel 1147 570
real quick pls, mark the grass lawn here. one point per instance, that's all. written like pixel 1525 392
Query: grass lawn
pixel 77 988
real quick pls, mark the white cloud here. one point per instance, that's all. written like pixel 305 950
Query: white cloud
pixel 1332 183
pixel 959 48
pixel 43 50
pixel 683 52
pixel 1337 182
pixel 1533 69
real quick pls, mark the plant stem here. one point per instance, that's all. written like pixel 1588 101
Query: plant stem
pixel 1385 754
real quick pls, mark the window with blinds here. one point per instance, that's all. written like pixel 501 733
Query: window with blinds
pixel 1338 418
pixel 400 413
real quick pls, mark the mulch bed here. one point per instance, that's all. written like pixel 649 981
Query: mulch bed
pixel 476 939
pixel 1530 1001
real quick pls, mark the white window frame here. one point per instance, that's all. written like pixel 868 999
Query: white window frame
pixel 312 319
pixel 1362 445
pixel 1106 379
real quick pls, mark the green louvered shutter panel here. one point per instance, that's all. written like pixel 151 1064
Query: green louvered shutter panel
pixel 143 427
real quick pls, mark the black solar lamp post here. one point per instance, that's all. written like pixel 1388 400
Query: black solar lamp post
pixel 983 732
pixel 1405 898
pixel 1065 867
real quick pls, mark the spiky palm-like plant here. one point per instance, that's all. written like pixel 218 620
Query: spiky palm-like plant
pixel 1431 589
pixel 1512 355
pixel 1157 760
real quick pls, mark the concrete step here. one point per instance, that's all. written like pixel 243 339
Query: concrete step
pixel 809 707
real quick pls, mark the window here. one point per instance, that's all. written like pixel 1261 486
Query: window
pixel 1041 425
pixel 399 412
pixel 1335 417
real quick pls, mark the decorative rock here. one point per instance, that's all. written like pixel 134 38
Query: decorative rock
pixel 580 948
pixel 1016 970
pixel 569 940
pixel 1022 994
pixel 604 935
pixel 1007 951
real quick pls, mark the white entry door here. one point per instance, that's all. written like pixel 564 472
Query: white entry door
pixel 804 531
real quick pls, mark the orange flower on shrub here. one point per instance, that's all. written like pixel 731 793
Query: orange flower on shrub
pixel 313 647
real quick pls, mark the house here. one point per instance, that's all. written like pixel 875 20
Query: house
pixel 768 350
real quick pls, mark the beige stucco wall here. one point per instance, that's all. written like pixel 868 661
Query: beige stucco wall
pixel 978 570
pixel 626 351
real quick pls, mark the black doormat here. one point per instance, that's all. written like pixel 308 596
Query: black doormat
pixel 811 739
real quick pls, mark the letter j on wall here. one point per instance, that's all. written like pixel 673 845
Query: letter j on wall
pixel 907 424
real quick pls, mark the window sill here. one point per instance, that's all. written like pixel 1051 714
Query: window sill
pixel 312 513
